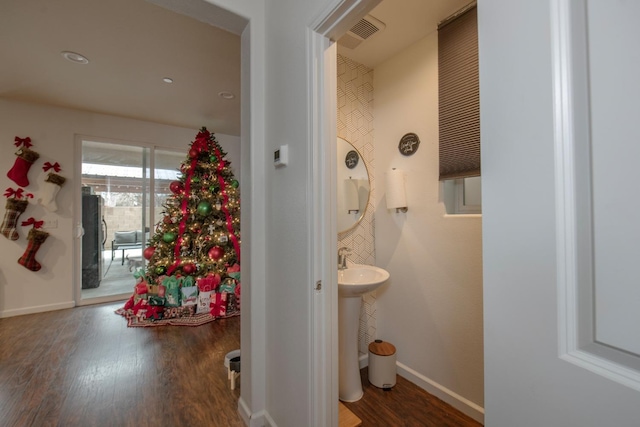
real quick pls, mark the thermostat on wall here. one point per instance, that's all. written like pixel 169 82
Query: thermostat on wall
pixel 281 156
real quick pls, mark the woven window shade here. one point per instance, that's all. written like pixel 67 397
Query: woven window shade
pixel 459 93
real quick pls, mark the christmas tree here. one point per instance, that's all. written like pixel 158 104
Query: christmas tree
pixel 194 254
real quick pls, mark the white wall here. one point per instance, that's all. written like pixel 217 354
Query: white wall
pixel 52 133
pixel 431 308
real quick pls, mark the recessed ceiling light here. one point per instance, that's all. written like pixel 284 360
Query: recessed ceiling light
pixel 226 95
pixel 74 57
pixel 167 80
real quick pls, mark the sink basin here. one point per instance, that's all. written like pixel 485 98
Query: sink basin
pixel 359 279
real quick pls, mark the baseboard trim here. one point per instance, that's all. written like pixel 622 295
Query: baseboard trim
pixel 269 421
pixel 363 360
pixel 452 398
pixel 37 309
pixel 441 392
pixel 250 420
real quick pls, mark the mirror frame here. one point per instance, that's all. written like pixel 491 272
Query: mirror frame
pixel 366 167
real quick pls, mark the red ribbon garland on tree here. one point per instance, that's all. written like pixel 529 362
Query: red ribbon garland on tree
pixel 25 142
pixel 48 165
pixel 199 144
pixel 185 216
pixel 32 220
pixel 225 198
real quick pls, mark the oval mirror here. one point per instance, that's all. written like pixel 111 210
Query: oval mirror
pixel 353 186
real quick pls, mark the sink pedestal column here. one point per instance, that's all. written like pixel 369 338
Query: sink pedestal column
pixel 349 382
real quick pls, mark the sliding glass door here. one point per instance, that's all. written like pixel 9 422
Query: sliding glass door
pixel 123 189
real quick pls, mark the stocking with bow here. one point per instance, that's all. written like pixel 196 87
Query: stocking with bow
pixel 14 207
pixel 26 157
pixel 36 238
pixel 51 187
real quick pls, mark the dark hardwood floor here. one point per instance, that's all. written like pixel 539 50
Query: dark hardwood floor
pixel 405 405
pixel 84 367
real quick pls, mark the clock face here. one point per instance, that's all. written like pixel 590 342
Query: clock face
pixel 409 144
pixel 351 159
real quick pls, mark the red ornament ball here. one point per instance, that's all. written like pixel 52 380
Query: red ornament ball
pixel 194 153
pixel 216 252
pixel 176 187
pixel 148 252
pixel 166 220
pixel 189 268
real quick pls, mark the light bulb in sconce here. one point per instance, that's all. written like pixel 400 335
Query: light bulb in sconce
pixel 395 192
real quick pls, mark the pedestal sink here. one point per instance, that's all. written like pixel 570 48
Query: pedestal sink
pixel 353 283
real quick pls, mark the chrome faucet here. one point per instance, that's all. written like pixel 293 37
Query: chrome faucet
pixel 342 257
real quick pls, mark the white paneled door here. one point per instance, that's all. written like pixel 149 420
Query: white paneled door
pixel 560 147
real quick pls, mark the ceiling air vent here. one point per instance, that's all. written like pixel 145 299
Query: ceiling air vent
pixel 364 29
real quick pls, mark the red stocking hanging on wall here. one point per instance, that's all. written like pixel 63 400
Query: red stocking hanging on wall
pixel 14 207
pixel 26 157
pixel 36 238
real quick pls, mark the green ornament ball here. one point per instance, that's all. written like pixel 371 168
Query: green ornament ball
pixel 161 269
pixel 204 208
pixel 169 237
pixel 213 188
pixel 235 183
pixel 213 158
pixel 195 179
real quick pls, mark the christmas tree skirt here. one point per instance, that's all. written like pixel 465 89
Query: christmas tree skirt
pixel 134 321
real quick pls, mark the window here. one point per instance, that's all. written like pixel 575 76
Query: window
pixel 459 111
pixel 463 195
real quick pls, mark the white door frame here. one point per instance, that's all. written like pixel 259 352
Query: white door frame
pixel 322 127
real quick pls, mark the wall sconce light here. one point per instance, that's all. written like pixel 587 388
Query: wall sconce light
pixel 396 196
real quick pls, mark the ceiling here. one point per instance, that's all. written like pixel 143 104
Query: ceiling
pixel 133 44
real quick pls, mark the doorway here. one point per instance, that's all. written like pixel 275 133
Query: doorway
pixel 123 188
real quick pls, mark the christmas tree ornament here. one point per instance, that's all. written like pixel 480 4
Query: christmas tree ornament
pixel 160 270
pixel 189 268
pixel 148 252
pixel 14 207
pixel 194 153
pixel 235 184
pixel 204 208
pixel 216 253
pixel 36 238
pixel 51 186
pixel 169 237
pixel 26 157
pixel 176 187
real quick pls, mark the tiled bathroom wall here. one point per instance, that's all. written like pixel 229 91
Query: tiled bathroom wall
pixel 355 124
